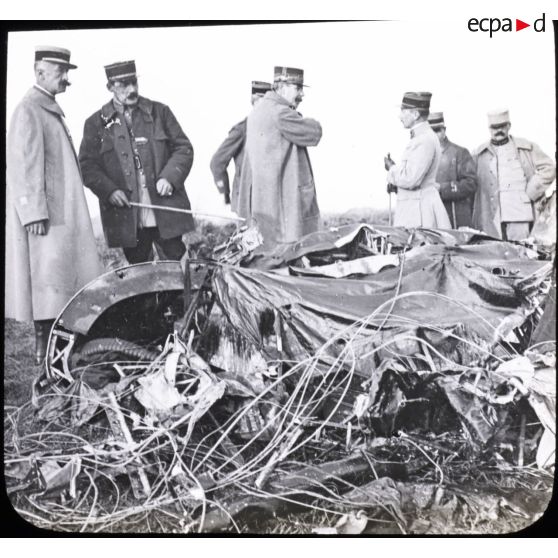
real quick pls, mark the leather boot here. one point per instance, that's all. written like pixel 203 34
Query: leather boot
pixel 42 331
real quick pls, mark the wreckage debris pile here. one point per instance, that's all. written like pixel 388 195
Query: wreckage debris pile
pixel 337 389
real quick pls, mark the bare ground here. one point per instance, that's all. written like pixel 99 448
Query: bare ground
pixel 19 368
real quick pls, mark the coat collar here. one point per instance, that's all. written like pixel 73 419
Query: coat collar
pixel 519 143
pixel 445 143
pixel 43 99
pixel 419 129
pixel 144 104
pixel 276 98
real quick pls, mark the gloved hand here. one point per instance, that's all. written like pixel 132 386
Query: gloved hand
pixel 227 198
pixel 388 162
pixel 391 189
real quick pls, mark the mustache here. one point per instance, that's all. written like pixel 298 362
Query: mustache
pixel 65 82
pixel 132 96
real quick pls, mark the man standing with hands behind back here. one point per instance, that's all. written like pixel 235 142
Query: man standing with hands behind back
pixel 134 150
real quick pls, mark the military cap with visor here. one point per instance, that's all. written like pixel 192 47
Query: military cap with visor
pixel 284 74
pixel 119 71
pixel 436 120
pixel 416 100
pixel 56 55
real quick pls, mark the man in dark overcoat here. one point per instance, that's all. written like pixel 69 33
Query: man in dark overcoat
pixel 134 150
pixel 233 148
pixel 456 176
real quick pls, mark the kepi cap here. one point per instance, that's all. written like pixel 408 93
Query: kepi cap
pixel 498 117
pixel 416 100
pixel 260 87
pixel 56 55
pixel 121 70
pixel 283 74
pixel 436 120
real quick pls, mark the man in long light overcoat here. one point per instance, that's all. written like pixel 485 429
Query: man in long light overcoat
pixel 233 148
pixel 277 192
pixel 513 173
pixel 50 248
pixel 414 178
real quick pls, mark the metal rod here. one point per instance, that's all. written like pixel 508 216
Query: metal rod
pixel 453 215
pixel 189 211
pixel 521 448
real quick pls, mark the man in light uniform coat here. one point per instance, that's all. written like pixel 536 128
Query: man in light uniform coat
pixel 233 148
pixel 277 192
pixel 512 174
pixel 50 247
pixel 414 179
pixel 456 176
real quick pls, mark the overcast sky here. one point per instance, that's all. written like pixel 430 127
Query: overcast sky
pixel 357 74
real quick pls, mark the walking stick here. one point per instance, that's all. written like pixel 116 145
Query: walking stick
pixel 389 209
pixel 453 215
pixel 189 211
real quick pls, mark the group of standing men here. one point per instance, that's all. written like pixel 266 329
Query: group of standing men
pixel 440 185
pixel 135 157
